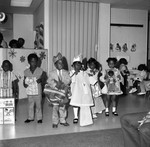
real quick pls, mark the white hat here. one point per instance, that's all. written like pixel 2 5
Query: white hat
pixel 78 58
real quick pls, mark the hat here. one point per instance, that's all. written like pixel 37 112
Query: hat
pixel 57 57
pixel 78 58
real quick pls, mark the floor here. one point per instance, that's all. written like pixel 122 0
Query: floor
pixel 126 104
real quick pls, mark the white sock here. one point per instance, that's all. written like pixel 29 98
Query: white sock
pixel 75 110
pixel 106 110
pixel 113 109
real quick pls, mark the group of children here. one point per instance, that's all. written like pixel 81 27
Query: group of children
pixel 82 88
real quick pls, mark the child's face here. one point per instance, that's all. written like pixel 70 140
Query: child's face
pixel 92 66
pixel 77 66
pixel 6 67
pixel 59 64
pixel 111 64
pixel 33 63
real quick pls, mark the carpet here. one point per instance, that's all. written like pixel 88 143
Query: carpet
pixel 100 138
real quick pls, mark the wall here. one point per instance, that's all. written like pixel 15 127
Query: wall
pixel 38 15
pixel 130 35
pixel 23 27
pixel 73 28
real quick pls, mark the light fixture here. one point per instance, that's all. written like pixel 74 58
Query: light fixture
pixel 3 17
pixel 21 3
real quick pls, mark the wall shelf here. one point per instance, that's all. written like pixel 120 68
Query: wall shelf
pixel 126 25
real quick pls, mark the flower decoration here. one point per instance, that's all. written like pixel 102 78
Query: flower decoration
pixel 12 53
pixel 42 55
pixel 22 58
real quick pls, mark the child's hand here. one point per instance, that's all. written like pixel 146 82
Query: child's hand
pixel 25 85
pixel 39 80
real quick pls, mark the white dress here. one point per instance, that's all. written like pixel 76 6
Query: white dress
pixel 82 96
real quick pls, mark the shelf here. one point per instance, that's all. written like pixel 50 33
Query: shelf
pixel 126 25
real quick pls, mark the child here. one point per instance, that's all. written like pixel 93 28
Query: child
pixel 117 78
pixel 59 79
pixel 138 80
pixel 33 79
pixel 125 73
pixel 81 93
pixel 8 82
pixel 93 71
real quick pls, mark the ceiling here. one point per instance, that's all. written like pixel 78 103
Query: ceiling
pixel 130 4
pixel 5 7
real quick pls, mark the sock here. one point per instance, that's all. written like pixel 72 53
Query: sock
pixel 75 110
pixel 106 110
pixel 113 109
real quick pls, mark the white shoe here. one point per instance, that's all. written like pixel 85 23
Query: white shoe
pixel 133 90
pixel 141 93
pixel 100 112
pixel 94 116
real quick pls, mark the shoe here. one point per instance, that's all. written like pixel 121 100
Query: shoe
pixel 141 93
pixel 28 120
pixel 106 113
pixel 55 126
pixel 64 124
pixel 94 116
pixel 100 112
pixel 75 120
pixel 39 121
pixel 115 113
pixel 133 90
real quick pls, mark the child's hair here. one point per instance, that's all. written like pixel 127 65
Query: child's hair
pixel 123 61
pixel 142 67
pixel 97 64
pixel 111 59
pixel 10 65
pixel 33 55
pixel 13 43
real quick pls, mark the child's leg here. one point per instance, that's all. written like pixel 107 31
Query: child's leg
pixel 142 88
pixel 107 100
pixel 75 111
pixel 62 114
pixel 114 104
pixel 55 116
pixel 31 102
pixel 38 100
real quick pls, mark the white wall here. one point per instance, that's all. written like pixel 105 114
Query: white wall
pixel 23 27
pixel 130 35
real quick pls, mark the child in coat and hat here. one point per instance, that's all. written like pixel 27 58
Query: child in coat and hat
pixel 58 79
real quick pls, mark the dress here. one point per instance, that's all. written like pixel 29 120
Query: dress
pixel 108 82
pixel 82 96
pixel 96 93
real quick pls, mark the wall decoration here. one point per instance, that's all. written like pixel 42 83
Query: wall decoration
pixel 22 58
pixel 124 47
pixel 133 48
pixel 12 53
pixel 118 47
pixel 39 37
pixel 111 47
